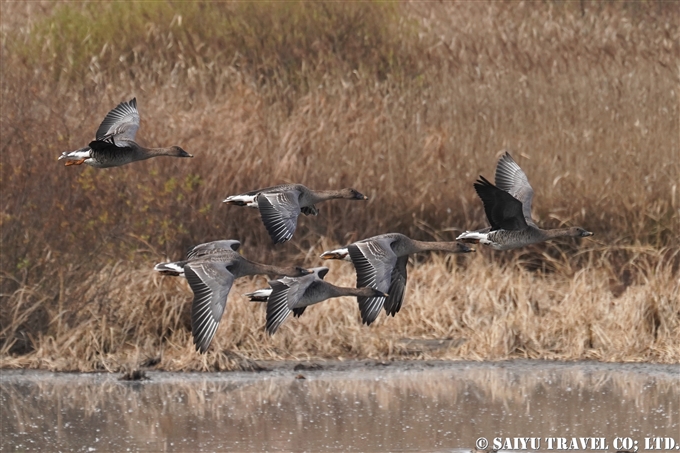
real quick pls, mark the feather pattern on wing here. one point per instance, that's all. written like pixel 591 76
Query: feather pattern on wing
pixel 512 179
pixel 277 306
pixel 279 212
pixel 121 123
pixel 373 262
pixel 397 286
pixel 211 283
pixel 212 247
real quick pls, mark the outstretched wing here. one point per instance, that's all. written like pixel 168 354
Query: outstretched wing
pixel 287 292
pixel 279 212
pixel 397 286
pixel 277 306
pixel 121 123
pixel 511 178
pixel 502 209
pixel 211 283
pixel 212 247
pixel 374 262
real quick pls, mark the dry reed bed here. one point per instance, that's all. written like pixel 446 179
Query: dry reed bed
pixel 588 104
pixel 137 318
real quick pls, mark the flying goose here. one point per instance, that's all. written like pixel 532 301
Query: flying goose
pixel 115 144
pixel 281 205
pixel 294 294
pixel 211 269
pixel 508 208
pixel 380 263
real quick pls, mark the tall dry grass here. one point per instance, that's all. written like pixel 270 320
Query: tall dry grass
pixel 407 103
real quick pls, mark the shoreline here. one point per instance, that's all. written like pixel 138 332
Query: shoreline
pixel 281 368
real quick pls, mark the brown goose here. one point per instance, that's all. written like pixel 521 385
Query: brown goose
pixel 211 270
pixel 380 263
pixel 281 205
pixel 293 294
pixel 115 142
pixel 508 208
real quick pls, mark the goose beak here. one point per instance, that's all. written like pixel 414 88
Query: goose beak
pixel 588 233
pixel 464 248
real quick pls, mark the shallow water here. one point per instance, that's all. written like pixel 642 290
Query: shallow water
pixel 415 407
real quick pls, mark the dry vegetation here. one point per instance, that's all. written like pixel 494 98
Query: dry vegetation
pixel 407 103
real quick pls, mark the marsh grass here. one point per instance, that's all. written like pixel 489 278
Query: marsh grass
pixel 406 103
pixel 279 43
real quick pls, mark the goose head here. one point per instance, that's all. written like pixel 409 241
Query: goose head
pixel 178 152
pixel 300 271
pixel 377 293
pixel 352 194
pixel 461 247
pixel 579 232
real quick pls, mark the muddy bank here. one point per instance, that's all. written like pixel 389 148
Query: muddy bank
pixel 327 368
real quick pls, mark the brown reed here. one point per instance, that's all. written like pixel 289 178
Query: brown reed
pixel 408 105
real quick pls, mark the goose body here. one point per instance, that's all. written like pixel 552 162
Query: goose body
pixel 294 294
pixel 380 263
pixel 176 269
pixel 211 269
pixel 281 205
pixel 115 144
pixel 507 206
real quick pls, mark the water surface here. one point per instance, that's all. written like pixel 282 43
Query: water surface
pixel 361 407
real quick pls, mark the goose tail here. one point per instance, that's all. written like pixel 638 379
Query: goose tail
pixel 242 200
pixel 79 154
pixel 260 295
pixel 472 237
pixel 175 269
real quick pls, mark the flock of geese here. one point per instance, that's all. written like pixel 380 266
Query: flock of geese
pixel 380 261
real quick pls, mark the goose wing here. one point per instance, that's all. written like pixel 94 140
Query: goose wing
pixel 279 212
pixel 211 283
pixel 397 286
pixel 374 262
pixel 121 123
pixel 511 178
pixel 211 247
pixel 316 286
pixel 502 209
pixel 272 189
pixel 286 294
pixel 109 150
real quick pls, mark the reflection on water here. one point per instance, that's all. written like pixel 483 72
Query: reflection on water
pixel 370 408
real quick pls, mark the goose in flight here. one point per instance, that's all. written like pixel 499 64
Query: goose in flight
pixel 281 205
pixel 211 269
pixel 380 263
pixel 115 144
pixel 293 294
pixel 508 208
